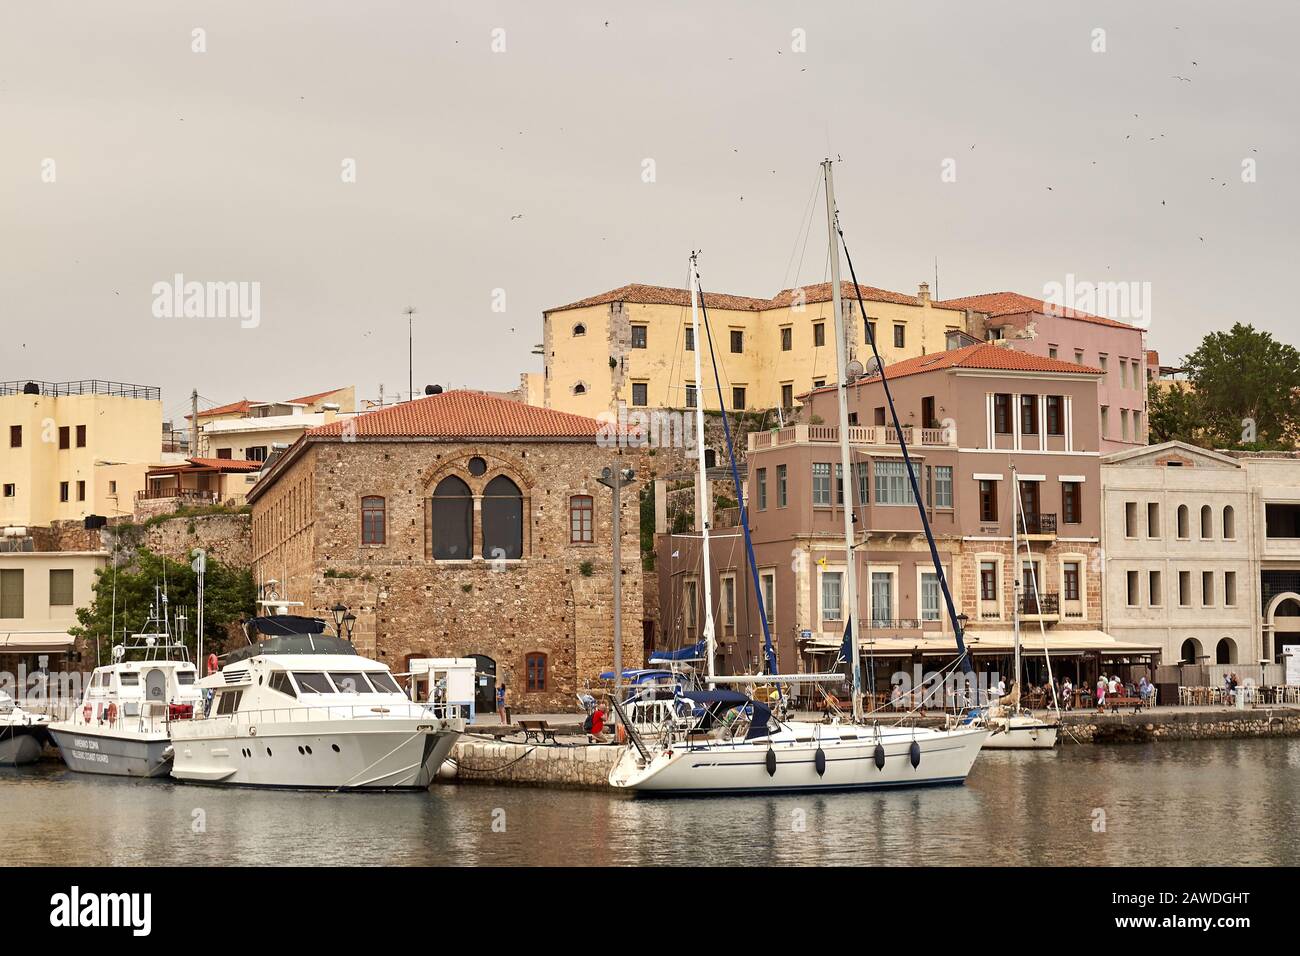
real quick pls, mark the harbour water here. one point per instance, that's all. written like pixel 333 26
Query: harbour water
pixel 1188 803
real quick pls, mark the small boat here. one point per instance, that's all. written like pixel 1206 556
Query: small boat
pixel 1021 730
pixel 23 735
pixel 303 710
pixel 123 726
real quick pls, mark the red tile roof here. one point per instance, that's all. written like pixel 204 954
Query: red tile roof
pixel 241 406
pixel 1013 303
pixel 461 415
pixel 982 355
pixel 821 292
pixel 662 295
pixel 226 464
pixel 310 399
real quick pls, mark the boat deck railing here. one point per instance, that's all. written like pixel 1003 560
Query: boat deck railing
pixel 214 724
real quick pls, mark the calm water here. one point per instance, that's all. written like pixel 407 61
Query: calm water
pixel 1210 802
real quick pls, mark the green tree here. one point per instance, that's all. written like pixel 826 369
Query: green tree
pixel 1174 414
pixel 229 594
pixel 1247 388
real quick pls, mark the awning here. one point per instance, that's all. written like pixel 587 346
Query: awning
pixel 35 642
pixel 1003 642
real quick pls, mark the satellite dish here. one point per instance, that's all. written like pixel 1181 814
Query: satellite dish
pixel 873 366
pixel 853 371
pixel 119 652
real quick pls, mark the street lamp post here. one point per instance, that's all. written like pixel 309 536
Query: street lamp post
pixel 615 479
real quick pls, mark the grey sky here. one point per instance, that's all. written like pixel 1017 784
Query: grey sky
pixel 225 166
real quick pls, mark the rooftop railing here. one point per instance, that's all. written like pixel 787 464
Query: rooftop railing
pixel 91 386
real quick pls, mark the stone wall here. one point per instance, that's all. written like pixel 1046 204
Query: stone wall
pixel 575 767
pixel 1157 725
pixel 66 536
pixel 225 537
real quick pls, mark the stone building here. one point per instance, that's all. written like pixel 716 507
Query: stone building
pixel 458 525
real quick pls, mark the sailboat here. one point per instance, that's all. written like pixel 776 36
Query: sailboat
pixel 737 744
pixel 1015 728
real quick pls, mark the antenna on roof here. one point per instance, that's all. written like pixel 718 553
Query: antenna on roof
pixel 937 297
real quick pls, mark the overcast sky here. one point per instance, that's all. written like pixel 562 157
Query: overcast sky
pixel 227 166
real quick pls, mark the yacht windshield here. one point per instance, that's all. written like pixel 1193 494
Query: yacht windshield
pixel 350 682
pixel 128 679
pixel 312 682
pixel 384 682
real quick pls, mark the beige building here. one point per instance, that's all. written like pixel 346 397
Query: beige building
pixel 71 449
pixel 40 592
pixel 633 345
pixel 248 430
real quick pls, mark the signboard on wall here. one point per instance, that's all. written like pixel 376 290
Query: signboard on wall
pixel 1291 653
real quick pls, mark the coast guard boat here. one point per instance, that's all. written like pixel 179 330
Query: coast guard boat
pixel 22 734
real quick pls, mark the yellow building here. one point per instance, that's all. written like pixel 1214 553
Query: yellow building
pixel 633 345
pixel 39 595
pixel 73 449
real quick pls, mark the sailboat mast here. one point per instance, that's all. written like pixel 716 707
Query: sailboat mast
pixel 842 394
pixel 702 502
pixel 1015 573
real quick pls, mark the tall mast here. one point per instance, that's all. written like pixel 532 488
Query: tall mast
pixel 1016 572
pixel 841 362
pixel 702 495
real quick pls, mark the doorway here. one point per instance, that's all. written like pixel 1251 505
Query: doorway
pixel 485 684
pixel 155 685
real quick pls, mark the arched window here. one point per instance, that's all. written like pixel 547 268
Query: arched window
pixel 503 519
pixel 581 514
pixel 580 388
pixel 1207 523
pixel 372 520
pixel 1226 652
pixel 1184 519
pixel 579 329
pixel 535 668
pixel 1191 651
pixel 452 520
pixel 1229 522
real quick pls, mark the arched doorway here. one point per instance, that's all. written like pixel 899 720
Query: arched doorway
pixel 485 684
pixel 1191 651
pixel 1282 624
pixel 1226 651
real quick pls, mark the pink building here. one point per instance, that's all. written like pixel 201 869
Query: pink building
pixel 1042 328
pixel 968 415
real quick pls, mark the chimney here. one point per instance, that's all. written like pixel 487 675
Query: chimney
pixel 923 292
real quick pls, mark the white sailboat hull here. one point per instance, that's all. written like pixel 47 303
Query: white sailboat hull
pixel 1021 732
pixel 741 767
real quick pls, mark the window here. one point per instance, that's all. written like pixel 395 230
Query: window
pixel 988 500
pixel 787 396
pixel 1207 588
pixel 819 383
pixel 1153 589
pixel 871 330
pixel 832 584
pixel 1133 596
pixel 988 581
pixel 11 593
pixel 690 340
pixel 1105 420
pixel 862 470
pixel 1184 588
pixel 582 512
pixel 451 520
pixel 821 483
pixel 943 486
pixel 1153 519
pixel 639 394
pixel 1123 424
pixel 224 453
pixel 477 466
pixel 1051 351
pixel 350 682
pixel 768 581
pixel 535 669
pixel 10 490
pixel 892 484
pixel 65 437
pixel 1029 414
pixel 1103 361
pixel 781 498
pixel 1183 531
pixel 1207 523
pixel 689 605
pixel 1071 501
pixel 928 419
pixel 372 520
pixel 60 587
pixel 729 604
pixel 1230 588
pixel 255 453
pixel 900 336
pixel 1137 418
pixel 819 334
pixel 839 483
pixel 63 491
pixel 692 396
pixel 882 598
pixel 1071 580
pixel 503 519
pixel 81 436
pixel 878 416
pixel 81 491
pixel 383 682
pixel 15 436
pixel 312 682
pixel 279 683
pixel 1229 523
pixel 929 596
pixel 738 397
pixel 228 702
pixel 638 336
pixel 787 339
pixel 760 480
pixel 1130 519
pixel 1078 357
pixel 1001 414
pixel 1055 418
pixel 579 388
pixel 579 329
pixel 737 341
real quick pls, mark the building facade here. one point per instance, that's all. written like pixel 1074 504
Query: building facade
pixel 634 345
pixel 40 592
pixel 458 525
pixel 72 449
pixel 250 431
pixel 1041 328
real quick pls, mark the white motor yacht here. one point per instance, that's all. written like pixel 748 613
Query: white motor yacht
pixel 303 710
pixel 23 735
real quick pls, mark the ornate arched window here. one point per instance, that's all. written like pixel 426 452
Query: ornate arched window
pixel 372 520
pixel 452 520
pixel 503 519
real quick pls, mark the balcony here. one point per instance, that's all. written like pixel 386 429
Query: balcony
pixel 183 494
pixel 881 435
pixel 1038 526
pixel 1046 606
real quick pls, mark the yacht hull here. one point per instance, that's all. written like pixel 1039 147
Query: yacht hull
pixel 87 752
pixel 714 767
pixel 21 745
pixel 394 754
pixel 1021 733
